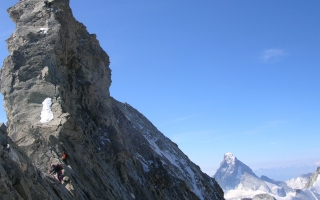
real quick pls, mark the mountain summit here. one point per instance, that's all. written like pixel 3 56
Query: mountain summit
pixel 239 182
pixel 55 84
pixel 231 171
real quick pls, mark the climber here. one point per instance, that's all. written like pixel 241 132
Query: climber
pixel 57 169
pixel 6 147
pixel 64 157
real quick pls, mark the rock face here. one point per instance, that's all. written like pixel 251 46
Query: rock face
pixel 55 84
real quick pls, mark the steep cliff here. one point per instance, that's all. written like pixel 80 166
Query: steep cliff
pixel 55 84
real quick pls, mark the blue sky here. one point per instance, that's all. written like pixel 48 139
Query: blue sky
pixel 214 76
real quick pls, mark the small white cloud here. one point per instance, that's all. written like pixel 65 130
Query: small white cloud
pixel 271 53
pixel 318 163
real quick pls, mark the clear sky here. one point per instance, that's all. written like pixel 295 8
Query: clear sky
pixel 214 76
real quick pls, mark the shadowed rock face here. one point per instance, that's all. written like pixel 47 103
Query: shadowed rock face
pixel 55 84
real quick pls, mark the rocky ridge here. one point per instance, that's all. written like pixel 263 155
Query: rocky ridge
pixel 312 188
pixel 313 178
pixel 299 182
pixel 55 84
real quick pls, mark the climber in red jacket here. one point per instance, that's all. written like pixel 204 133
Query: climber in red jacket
pixel 64 157
pixel 57 169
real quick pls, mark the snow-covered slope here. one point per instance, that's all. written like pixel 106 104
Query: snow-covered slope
pixel 167 155
pixel 312 193
pixel 278 187
pixel 299 182
pixel 250 182
pixel 239 182
pixel 312 189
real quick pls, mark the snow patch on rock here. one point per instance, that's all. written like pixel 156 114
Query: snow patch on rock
pixel 46 113
pixel 44 30
pixel 229 158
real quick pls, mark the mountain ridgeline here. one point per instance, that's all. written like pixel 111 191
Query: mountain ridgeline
pixel 55 84
pixel 239 182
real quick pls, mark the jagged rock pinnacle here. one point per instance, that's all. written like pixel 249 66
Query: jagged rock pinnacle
pixel 55 84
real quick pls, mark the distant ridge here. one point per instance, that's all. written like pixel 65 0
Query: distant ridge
pixel 239 182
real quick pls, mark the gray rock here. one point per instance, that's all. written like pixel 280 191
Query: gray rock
pixel 263 197
pixel 55 84
pixel 3 128
pixel 2 153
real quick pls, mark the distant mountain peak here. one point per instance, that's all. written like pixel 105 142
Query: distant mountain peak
pixel 231 172
pixel 238 181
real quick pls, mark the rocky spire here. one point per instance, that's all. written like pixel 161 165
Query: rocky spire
pixel 55 84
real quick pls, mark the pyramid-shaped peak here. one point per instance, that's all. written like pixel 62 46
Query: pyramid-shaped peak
pixel 232 172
